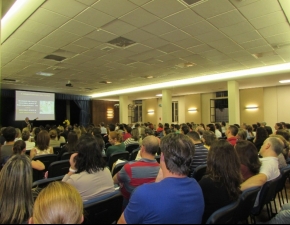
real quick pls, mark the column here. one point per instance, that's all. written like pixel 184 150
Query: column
pixel 123 109
pixel 166 106
pixel 234 102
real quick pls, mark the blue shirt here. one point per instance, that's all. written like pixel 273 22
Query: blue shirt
pixel 172 200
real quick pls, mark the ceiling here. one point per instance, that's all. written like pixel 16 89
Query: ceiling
pixel 172 41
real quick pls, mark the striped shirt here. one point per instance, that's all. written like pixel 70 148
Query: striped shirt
pixel 133 174
pixel 199 158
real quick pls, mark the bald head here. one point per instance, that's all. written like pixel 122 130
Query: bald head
pixel 151 144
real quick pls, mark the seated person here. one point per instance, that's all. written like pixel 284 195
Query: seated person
pixel 283 217
pixel 41 145
pixel 58 203
pixel 115 139
pixel 221 184
pixel 135 173
pixel 54 142
pixel 6 149
pixel 134 139
pixel 248 154
pixel 88 172
pixel 208 138
pixel 25 137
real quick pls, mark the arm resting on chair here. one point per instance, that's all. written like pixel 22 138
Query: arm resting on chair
pixel 257 180
pixel 38 165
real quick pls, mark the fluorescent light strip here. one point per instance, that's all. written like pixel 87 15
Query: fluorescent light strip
pixel 201 79
pixel 284 81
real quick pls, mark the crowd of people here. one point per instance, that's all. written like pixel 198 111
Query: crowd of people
pixel 237 157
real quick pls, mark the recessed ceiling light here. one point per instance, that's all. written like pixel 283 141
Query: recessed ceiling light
pixel 159 95
pixel 44 74
pixel 147 77
pixel 284 81
pixel 105 82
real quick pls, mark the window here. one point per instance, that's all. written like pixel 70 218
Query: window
pixel 175 112
pixel 137 111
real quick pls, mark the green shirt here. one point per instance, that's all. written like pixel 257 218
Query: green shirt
pixel 115 148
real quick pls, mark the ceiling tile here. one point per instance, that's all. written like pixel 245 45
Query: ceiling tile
pixel 77 28
pixel 260 49
pixel 222 43
pixel 155 42
pixel 200 48
pixel 48 17
pixel 87 2
pixel 181 53
pixel 118 27
pixel 174 36
pixel 187 43
pixel 183 18
pixel 159 27
pixel 227 19
pixel 212 8
pixel 140 2
pixel 231 49
pixel 252 35
pixel 138 48
pixel 237 29
pixel 242 3
pixel 275 29
pixel 214 35
pixel 139 18
pixel 211 53
pixel 101 35
pixel 78 59
pixel 268 20
pixel 27 36
pixel 169 48
pixel 43 48
pixel 15 46
pixel 279 39
pixel 74 48
pixel 87 42
pixel 270 60
pixel 94 17
pixel 162 8
pixel 253 44
pixel 199 28
pixel 60 7
pixel 115 8
pixel 36 28
pixel 138 35
pixel 165 57
pixel 266 6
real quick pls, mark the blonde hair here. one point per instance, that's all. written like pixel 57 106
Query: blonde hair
pixel 58 203
pixel 116 135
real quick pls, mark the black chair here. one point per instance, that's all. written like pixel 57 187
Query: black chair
pixel 199 172
pixel 118 167
pixel 132 147
pixel 66 155
pixel 157 158
pixel 115 156
pixel 285 172
pixel 225 215
pixel 46 159
pixel 62 144
pixel 133 154
pixel 57 151
pixel 58 168
pixel 27 152
pixel 266 195
pixel 246 203
pixel 44 182
pixel 105 211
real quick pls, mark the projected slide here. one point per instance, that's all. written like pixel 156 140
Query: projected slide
pixel 34 104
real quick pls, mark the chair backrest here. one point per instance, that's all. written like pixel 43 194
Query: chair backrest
pixel 246 203
pixel 118 167
pixel 44 182
pixel 285 174
pixel 267 194
pixel 106 211
pixel 46 159
pixel 115 156
pixel 66 155
pixel 27 152
pixel 58 168
pixel 62 144
pixel 57 151
pixel 199 172
pixel 133 154
pixel 224 215
pixel 132 147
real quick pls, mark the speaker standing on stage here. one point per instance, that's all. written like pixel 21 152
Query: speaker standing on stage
pixel 29 123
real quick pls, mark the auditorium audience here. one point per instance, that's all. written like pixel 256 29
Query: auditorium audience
pixel 127 133
pixel 282 157
pixel 218 130
pixel 242 134
pixel 54 142
pixel 134 139
pixel 16 190
pixel 208 138
pixel 261 136
pixel 26 138
pixel 42 145
pixel 115 139
pixel 6 149
pixel 88 172
pixel 221 185
pixel 58 203
pixel 70 146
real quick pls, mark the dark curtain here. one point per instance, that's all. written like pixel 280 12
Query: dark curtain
pixel 85 114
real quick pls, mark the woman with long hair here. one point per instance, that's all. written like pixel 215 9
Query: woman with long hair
pixel 70 146
pixel 42 145
pixel 261 136
pixel 88 172
pixel 15 190
pixel 248 154
pixel 221 185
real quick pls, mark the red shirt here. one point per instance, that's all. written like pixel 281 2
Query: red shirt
pixel 126 136
pixel 232 140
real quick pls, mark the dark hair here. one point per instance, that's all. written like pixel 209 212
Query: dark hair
pixel 176 126
pixel 166 125
pixel 100 141
pixel 42 141
pixel 261 135
pixel 112 127
pixel 128 129
pixel 211 127
pixel 36 132
pixel 279 125
pixel 72 140
pixel 233 129
pixel 223 166
pixel 255 126
pixel 223 123
pixel 237 125
pixel 178 151
pixel 193 135
pixel 209 137
pixel 248 155
pixel 19 146
pixel 284 133
pixel 218 126
pixel 148 131
pixel 89 156
pixel 96 131
pixel 25 135
pixel 167 131
pixel 9 134
pixel 185 129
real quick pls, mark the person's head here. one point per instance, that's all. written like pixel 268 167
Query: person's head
pixel 176 153
pixel 255 126
pixel 223 123
pixel 166 125
pixel 19 147
pixel 184 129
pixel 199 130
pixel 89 156
pixel 242 134
pixel 176 127
pixel 150 145
pixel 112 127
pixel 166 131
pixel 26 119
pixel 272 146
pixel 25 135
pixel 284 133
pixel 58 203
pixel 232 131
pixel 53 134
pixel 285 151
pixel 137 125
pixel 148 131
pixel 96 131
pixel 278 126
pixel 18 133
pixel 72 139
pixel 9 133
pixel 42 141
pixel 210 127
pixel 100 141
pixel 128 129
pixel 248 154
pixel 135 134
pixel 261 135
pixel 208 137
pixel 218 126
pixel 194 136
pixel 223 165
pixel 115 137
pixel 249 128
pixel 263 124
pixel 102 124
pixel 15 190
pixel 160 125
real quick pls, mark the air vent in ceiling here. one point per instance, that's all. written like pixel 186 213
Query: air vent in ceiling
pixel 121 42
pixel 193 2
pixel 9 80
pixel 55 57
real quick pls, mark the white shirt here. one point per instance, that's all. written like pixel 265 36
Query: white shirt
pixel 29 145
pixel 218 133
pixel 103 130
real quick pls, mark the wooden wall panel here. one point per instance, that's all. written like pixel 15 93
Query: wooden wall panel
pixel 99 112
